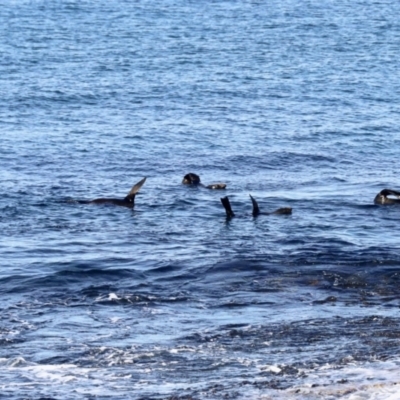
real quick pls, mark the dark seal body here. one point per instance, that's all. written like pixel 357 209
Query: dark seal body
pixel 128 201
pixel 382 197
pixel 256 210
pixel 194 179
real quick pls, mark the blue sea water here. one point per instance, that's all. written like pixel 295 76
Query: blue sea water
pixel 294 102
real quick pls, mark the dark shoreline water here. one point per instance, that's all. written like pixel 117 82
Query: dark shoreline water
pixel 295 103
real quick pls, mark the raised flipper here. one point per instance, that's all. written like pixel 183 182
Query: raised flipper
pixel 128 201
pixel 256 209
pixel 131 195
pixel 227 205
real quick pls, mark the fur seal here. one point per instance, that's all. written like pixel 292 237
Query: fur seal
pixel 383 199
pixel 128 201
pixel 256 210
pixel 194 179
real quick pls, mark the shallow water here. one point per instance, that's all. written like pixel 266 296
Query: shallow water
pixel 296 103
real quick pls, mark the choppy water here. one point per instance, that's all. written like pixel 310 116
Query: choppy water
pixel 295 102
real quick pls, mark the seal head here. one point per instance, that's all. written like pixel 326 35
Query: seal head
pixel 194 179
pixel 382 197
pixel 191 179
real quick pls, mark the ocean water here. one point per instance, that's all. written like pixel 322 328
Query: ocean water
pixel 294 102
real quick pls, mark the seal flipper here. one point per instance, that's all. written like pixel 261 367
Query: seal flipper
pixel 256 209
pixel 131 195
pixel 227 205
pixel 283 211
pixel 216 186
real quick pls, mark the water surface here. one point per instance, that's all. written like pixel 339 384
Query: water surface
pixel 296 103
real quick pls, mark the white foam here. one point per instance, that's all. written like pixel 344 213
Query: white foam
pixel 113 296
pixel 369 381
pixel 272 368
